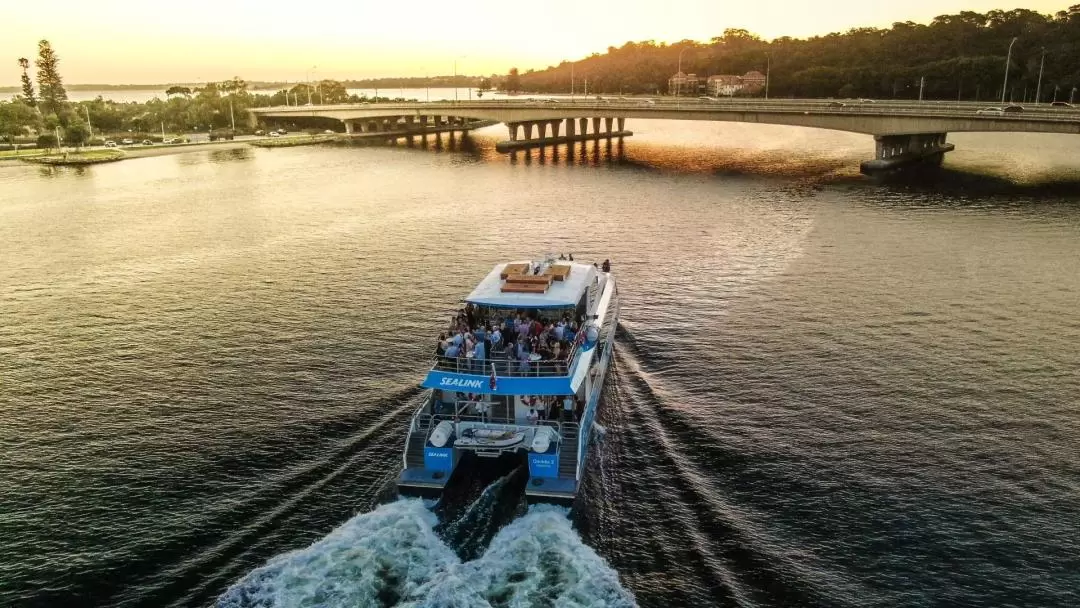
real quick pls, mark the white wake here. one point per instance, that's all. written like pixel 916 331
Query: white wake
pixel 392 557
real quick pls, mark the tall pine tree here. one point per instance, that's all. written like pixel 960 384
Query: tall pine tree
pixel 27 84
pixel 50 86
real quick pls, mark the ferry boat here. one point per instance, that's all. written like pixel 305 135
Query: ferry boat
pixel 512 403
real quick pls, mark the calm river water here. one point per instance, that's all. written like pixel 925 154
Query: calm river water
pixel 827 392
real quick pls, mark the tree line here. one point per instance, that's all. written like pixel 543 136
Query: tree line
pixel 42 111
pixel 959 56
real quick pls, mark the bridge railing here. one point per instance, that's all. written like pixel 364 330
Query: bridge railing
pixel 927 109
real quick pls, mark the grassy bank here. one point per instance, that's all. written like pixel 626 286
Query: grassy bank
pixel 287 142
pixel 89 157
pixel 20 154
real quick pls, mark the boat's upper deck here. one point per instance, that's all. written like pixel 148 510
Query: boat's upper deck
pixel 524 330
pixel 527 285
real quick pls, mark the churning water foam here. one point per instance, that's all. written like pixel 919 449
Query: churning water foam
pixel 393 557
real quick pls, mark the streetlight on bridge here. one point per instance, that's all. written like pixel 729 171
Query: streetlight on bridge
pixel 768 66
pixel 1008 59
pixel 455 78
pixel 307 84
pixel 1038 87
pixel 679 75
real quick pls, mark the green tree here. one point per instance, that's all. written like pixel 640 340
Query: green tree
pixel 76 133
pixel 50 85
pixel 332 91
pixel 513 80
pixel 47 141
pixel 27 85
pixel 16 119
pixel 303 93
pixel 177 90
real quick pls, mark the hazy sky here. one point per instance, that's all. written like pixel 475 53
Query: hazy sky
pixel 155 41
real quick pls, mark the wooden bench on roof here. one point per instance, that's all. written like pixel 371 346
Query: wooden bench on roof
pixel 515 287
pixel 531 279
pixel 559 272
pixel 514 269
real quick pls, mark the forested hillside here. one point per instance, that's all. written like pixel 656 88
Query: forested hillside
pixel 960 56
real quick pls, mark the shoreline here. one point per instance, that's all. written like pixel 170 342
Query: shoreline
pixel 124 153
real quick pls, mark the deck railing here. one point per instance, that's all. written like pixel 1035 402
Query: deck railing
pixel 505 366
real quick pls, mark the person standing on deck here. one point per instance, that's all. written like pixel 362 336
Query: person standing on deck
pixel 607 266
pixel 479 353
pixel 568 409
pixel 452 353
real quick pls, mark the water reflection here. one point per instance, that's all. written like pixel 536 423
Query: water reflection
pixel 53 171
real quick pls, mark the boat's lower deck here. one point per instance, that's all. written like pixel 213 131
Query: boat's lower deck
pixel 429 483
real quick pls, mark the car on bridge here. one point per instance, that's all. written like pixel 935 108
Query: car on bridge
pixel 991 111
pixel 1061 104
pixel 837 104
pixel 1013 109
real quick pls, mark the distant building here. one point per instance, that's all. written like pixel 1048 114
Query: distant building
pixel 753 81
pixel 684 84
pixel 726 85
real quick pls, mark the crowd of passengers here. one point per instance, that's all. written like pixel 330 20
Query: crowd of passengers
pixel 475 340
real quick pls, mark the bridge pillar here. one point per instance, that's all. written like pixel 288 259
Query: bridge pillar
pixel 895 152
pixel 621 123
pixel 584 122
pixel 570 124
pixel 555 128
pixel 528 127
pixel 596 124
pixel 607 124
pixel 541 129
pixel 348 127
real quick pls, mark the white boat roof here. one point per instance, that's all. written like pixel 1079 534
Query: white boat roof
pixel 567 292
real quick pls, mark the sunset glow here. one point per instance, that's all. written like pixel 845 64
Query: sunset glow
pixel 129 41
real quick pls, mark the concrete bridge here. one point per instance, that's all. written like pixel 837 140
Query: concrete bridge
pixel 905 133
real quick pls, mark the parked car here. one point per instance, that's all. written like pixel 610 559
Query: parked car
pixel 1061 104
pixel 991 111
pixel 647 102
pixel 275 134
pixel 866 101
pixel 1013 109
pixel 147 142
pixel 174 140
pixel 282 132
pixel 328 132
pixel 127 142
pixel 259 132
pixel 837 104
pixel 223 134
pixel 110 144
